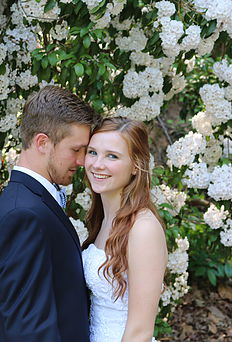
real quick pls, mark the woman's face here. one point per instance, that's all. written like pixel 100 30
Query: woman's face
pixel 107 163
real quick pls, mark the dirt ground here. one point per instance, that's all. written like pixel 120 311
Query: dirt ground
pixel 205 315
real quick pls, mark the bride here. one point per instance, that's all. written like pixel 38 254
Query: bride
pixel 125 255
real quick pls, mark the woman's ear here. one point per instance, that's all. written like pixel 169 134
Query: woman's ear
pixel 42 142
pixel 134 171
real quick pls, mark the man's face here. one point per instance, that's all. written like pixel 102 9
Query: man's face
pixel 65 157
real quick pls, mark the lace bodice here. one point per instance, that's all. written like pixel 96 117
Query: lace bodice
pixel 107 318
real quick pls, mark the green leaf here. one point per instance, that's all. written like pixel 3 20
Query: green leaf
pixel 167 84
pixel 200 271
pixel 212 276
pixel 64 76
pixel 45 74
pixel 49 5
pixel 44 62
pixel 101 70
pixel 95 9
pixel 35 67
pixel 74 30
pixel 88 70
pixel 79 69
pixel 211 28
pixel 228 270
pixel 2 69
pixel 98 33
pixel 52 58
pixel 97 104
pixel 86 42
pixel 84 31
pixel 50 47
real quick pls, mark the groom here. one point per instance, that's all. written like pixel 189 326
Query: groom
pixel 42 287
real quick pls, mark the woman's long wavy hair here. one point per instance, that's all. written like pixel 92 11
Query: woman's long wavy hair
pixel 135 197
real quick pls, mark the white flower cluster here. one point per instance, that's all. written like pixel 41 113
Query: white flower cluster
pixel 141 58
pixel 217 109
pixel 140 84
pixel 11 159
pixel 136 41
pixel 34 9
pixel 178 84
pixel 184 150
pixel 3 51
pixel 84 199
pixel 145 109
pixel 20 38
pixel 212 153
pixel 226 234
pixel 172 31
pixel 4 86
pixel 14 106
pixel 66 1
pixel 192 38
pixel 165 8
pixel 220 187
pixel 8 122
pixel 91 3
pixel 178 260
pixel 221 10
pixel 81 230
pixel 120 26
pixel 196 176
pixel 60 31
pixel 26 80
pixel 214 217
pixel 180 286
pixel 177 263
pixel 223 71
pixel 206 45
pixel 202 123
pixel 163 194
pixel 113 8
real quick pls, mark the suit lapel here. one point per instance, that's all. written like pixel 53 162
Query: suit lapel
pixel 56 208
pixel 47 198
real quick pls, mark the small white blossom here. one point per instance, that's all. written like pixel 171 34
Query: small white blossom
pixel 135 41
pixel 178 260
pixel 163 194
pixel 165 8
pixel 202 123
pixel 220 187
pixel 81 230
pixel 214 217
pixel 84 199
pixel 184 150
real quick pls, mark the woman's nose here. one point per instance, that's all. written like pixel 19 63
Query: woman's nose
pixel 98 163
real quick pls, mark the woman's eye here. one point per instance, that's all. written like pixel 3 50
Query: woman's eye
pixel 112 156
pixel 92 153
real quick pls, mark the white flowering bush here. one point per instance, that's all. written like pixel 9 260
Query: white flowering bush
pixel 133 59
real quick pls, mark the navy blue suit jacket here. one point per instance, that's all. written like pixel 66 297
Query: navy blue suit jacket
pixel 43 295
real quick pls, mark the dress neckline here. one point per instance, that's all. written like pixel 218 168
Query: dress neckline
pixel 99 249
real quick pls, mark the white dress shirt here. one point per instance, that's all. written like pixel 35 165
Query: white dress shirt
pixel 48 185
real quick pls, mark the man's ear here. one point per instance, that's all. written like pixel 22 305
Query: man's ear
pixel 42 142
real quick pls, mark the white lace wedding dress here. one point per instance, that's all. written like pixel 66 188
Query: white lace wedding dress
pixel 107 318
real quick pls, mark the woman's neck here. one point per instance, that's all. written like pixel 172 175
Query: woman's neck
pixel 111 204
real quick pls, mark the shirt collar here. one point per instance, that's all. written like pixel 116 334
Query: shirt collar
pixel 42 180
